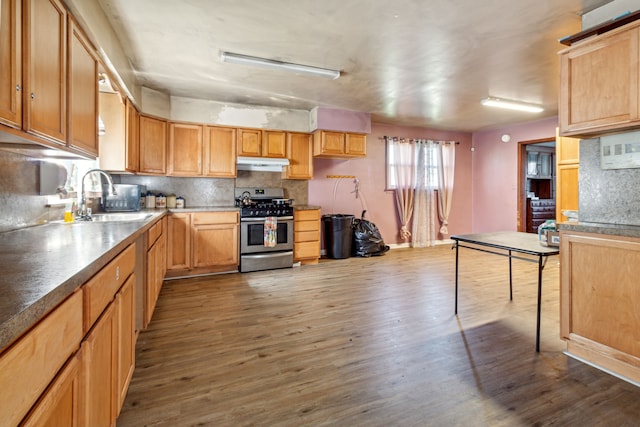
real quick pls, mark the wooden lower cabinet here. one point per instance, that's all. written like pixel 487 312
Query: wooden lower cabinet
pixel 33 362
pixel 599 297
pixel 59 404
pixel 202 243
pixel 306 236
pixel 98 373
pixel 67 372
pixel 156 267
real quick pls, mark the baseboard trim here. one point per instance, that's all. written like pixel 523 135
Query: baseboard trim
pixel 323 252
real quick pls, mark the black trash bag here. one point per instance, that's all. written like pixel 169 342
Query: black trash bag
pixel 367 240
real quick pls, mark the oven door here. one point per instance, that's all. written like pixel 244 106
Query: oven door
pixel 252 235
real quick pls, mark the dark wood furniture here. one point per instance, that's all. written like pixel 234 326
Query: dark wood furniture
pixel 538 211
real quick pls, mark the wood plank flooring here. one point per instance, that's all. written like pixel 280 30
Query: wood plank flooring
pixel 368 342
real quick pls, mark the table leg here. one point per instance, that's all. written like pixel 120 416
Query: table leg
pixel 540 267
pixel 456 308
pixel 510 279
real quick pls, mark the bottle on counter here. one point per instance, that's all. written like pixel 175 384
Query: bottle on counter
pixel 143 201
pixel 180 202
pixel 171 201
pixel 161 201
pixel 151 200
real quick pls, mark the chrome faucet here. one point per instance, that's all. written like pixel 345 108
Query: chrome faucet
pixel 84 215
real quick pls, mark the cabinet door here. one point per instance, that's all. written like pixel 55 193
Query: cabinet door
pixel 215 245
pixel 220 152
pixel 82 98
pixel 150 284
pixel 274 144
pixel 566 190
pixel 599 83
pixel 97 380
pixel 45 60
pixel 567 150
pixel 153 145
pixel 250 142
pixel 59 404
pixel 132 140
pixel 126 316
pixel 300 153
pixel 532 163
pixel 329 143
pixel 179 241
pixel 11 60
pixel 185 149
pixel 599 292
pixel 356 144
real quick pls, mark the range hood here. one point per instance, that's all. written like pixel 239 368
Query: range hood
pixel 262 164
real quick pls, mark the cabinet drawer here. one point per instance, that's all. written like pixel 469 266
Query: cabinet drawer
pixel 306 226
pixel 307 215
pixel 306 250
pixel 102 288
pixel 201 218
pixel 307 236
pixel 27 368
pixel 153 233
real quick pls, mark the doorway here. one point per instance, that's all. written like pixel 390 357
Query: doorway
pixel 536 183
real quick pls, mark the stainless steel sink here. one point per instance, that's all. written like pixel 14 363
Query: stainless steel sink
pixel 120 216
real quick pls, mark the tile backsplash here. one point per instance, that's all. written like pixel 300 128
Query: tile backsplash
pixel 21 204
pixel 609 196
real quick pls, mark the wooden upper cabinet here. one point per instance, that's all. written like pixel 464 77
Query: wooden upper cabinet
pixel 82 84
pixel 220 152
pixel 567 172
pixel 153 145
pixel 599 90
pixel 11 60
pixel 339 144
pixel 45 61
pixel 356 144
pixel 274 144
pixel 132 137
pixel 250 142
pixel 300 153
pixel 185 149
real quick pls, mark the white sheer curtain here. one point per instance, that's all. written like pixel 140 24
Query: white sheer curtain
pixel 447 161
pixel 424 208
pixel 403 163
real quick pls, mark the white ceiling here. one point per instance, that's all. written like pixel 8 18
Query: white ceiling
pixel 421 63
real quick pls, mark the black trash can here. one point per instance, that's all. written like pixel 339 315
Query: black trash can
pixel 337 235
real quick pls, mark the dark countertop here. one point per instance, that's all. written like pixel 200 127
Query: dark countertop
pixel 43 265
pixel 601 228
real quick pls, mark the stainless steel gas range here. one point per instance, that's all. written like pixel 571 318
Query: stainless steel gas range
pixel 266 228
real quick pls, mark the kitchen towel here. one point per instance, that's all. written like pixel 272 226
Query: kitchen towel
pixel 270 231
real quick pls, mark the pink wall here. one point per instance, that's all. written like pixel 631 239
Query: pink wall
pixel 495 173
pixel 380 204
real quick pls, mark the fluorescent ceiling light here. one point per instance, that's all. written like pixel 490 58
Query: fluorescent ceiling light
pixel 511 105
pixel 235 58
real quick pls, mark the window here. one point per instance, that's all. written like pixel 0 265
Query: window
pixel 404 155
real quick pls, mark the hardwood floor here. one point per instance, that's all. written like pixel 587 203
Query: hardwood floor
pixel 368 342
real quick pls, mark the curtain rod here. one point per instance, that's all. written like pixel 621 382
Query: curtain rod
pixel 402 139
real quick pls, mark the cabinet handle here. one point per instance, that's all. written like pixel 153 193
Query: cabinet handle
pixel 117 273
pixel 17 88
pixel 33 95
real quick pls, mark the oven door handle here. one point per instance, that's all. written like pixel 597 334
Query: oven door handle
pixel 267 255
pixel 264 218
